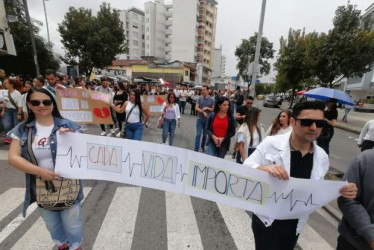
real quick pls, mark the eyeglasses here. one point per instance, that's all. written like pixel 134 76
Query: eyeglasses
pixel 36 103
pixel 309 122
pixel 249 103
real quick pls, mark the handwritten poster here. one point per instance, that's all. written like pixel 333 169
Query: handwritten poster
pixel 183 171
pixel 84 106
pixel 154 103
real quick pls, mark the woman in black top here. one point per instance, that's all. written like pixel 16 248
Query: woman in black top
pixel 120 97
pixel 331 115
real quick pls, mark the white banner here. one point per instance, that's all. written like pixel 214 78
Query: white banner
pixel 178 170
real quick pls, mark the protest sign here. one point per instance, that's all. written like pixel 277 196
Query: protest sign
pixel 153 103
pixel 184 171
pixel 84 106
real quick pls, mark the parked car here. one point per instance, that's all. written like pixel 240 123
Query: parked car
pixel 260 97
pixel 271 101
pixel 365 105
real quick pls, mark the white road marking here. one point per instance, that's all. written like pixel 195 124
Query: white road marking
pixel 182 229
pixel 310 240
pixel 38 237
pixel 239 224
pixel 117 230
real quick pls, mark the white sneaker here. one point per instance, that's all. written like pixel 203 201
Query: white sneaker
pixel 103 133
pixel 119 134
pixel 113 130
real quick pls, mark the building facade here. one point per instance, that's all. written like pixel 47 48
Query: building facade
pixel 362 87
pixel 219 63
pixel 134 27
pixel 6 39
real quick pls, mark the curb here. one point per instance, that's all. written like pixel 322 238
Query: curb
pixel 342 127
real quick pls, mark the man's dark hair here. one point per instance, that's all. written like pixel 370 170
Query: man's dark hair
pixel 206 86
pixel 237 87
pixel 250 98
pixel 50 72
pixel 300 106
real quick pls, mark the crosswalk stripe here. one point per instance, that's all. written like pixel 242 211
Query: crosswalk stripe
pixel 182 229
pixel 239 224
pixel 4 155
pixel 310 240
pixel 38 237
pixel 11 199
pixel 117 229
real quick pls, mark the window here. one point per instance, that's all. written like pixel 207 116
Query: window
pixel 147 20
pixel 134 26
pixel 143 37
pixel 135 42
pixel 135 34
pixel 186 73
pixel 147 37
pixel 147 29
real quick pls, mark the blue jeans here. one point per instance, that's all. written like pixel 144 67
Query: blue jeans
pixel 10 120
pixel 182 106
pixel 64 226
pixel 134 131
pixel 200 128
pixel 169 127
pixel 213 150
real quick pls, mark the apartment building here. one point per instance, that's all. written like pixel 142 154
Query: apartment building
pixel 219 63
pixel 134 26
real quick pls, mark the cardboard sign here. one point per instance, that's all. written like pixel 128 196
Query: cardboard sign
pixel 153 103
pixel 84 106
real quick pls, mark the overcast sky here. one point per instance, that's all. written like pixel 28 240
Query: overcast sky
pixel 237 19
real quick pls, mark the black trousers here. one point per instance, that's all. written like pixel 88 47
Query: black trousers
pixel 281 235
pixel 366 144
pixel 343 244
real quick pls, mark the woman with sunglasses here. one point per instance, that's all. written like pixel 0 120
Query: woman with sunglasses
pixel 172 117
pixel 281 124
pixel 134 114
pixel 220 128
pixel 43 122
pixel 249 134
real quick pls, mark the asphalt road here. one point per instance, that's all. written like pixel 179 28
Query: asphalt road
pixel 141 218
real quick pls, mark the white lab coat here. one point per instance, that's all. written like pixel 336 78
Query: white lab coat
pixel 276 149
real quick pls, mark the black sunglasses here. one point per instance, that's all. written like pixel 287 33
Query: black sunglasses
pixel 36 103
pixel 309 122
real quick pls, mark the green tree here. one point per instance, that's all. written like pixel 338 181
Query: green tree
pixel 345 51
pixel 23 63
pixel 292 64
pixel 92 41
pixel 245 53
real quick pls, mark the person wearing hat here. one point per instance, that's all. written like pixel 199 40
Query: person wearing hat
pixel 331 116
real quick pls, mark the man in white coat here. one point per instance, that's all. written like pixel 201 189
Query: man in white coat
pixel 297 155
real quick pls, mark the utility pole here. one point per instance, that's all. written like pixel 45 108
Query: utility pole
pixel 32 38
pixel 258 48
pixel 46 24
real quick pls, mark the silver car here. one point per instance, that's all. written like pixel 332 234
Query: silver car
pixel 271 101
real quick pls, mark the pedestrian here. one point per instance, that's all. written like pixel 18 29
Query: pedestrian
pixel 172 118
pixel 194 99
pixel 220 128
pixel 347 109
pixel 356 227
pixel 119 99
pixel 238 98
pixel 36 139
pixel 183 99
pixel 38 82
pixel 281 124
pixel 204 106
pixel 330 116
pixel 249 134
pixel 294 154
pixel 366 138
pixel 52 82
pixel 240 116
pixel 11 111
pixel 134 115
pixel 177 93
pixel 104 88
pixel 28 86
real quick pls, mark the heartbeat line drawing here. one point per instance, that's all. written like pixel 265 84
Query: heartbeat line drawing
pixel 293 201
pixel 73 159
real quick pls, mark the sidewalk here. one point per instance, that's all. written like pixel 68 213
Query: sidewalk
pixel 356 120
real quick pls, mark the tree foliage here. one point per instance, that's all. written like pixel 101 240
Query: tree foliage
pixel 245 53
pixel 92 41
pixel 23 63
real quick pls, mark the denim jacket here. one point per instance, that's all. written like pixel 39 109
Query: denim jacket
pixel 20 132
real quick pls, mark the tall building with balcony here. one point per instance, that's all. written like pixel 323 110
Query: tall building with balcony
pixel 134 27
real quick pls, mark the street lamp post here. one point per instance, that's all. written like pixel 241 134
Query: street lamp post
pixel 258 47
pixel 46 24
pixel 32 38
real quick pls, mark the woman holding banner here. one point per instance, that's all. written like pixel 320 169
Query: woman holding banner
pixel 172 117
pixel 134 114
pixel 33 151
pixel 220 128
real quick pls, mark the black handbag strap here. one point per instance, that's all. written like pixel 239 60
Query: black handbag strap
pixel 12 100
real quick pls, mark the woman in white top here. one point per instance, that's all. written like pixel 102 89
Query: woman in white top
pixel 134 110
pixel 28 86
pixel 249 134
pixel 172 117
pixel 12 108
pixel 281 124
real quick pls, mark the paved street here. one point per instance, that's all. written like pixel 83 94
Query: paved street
pixel 118 216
